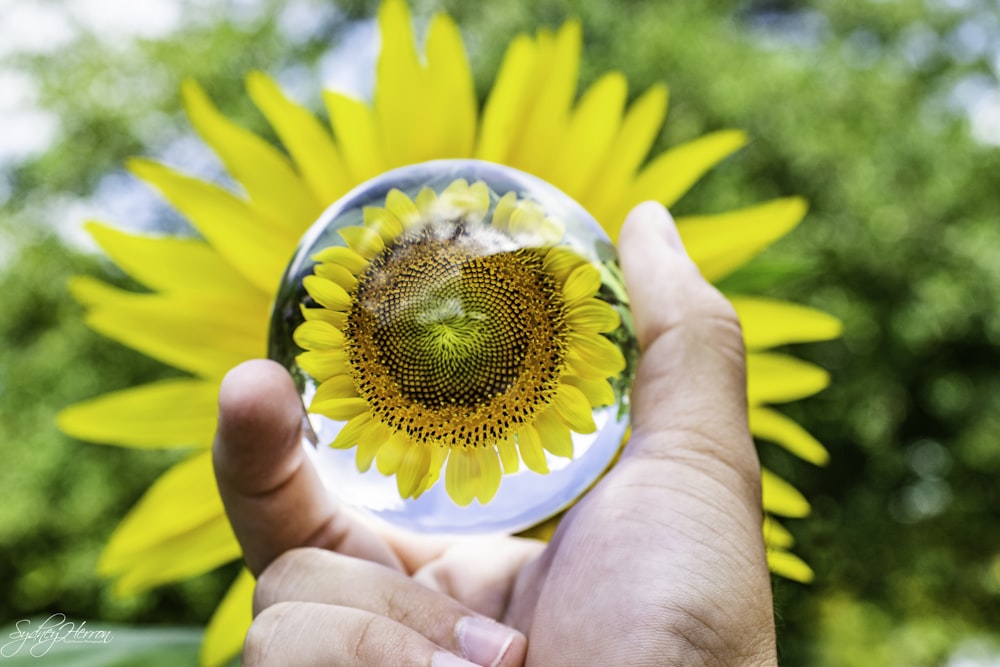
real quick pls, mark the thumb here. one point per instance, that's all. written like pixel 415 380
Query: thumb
pixel 689 394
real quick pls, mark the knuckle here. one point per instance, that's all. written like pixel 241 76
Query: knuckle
pixel 260 646
pixel 274 583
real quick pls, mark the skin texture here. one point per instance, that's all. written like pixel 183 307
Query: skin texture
pixel 662 563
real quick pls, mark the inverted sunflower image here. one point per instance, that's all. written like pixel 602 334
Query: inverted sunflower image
pixel 209 296
pixel 457 330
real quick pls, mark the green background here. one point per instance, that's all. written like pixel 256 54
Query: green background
pixel 878 112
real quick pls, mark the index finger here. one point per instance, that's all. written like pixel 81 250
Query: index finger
pixel 273 496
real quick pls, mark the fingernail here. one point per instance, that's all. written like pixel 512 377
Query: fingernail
pixel 442 659
pixel 483 641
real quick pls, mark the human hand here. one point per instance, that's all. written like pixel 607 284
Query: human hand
pixel 661 563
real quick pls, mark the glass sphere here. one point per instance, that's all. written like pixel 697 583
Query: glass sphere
pixel 460 335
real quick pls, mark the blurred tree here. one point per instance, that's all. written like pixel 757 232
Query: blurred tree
pixel 877 112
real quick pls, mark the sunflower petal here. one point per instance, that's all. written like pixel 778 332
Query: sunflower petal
pixel 391 454
pixel 204 334
pixel 789 566
pixel 672 173
pixel 721 243
pixel 338 386
pixel 256 249
pixel 136 417
pixel 451 123
pixel 337 274
pixel 591 130
pixel 781 498
pixel 776 536
pixel 582 283
pixel 504 106
pixel 553 434
pixel 327 293
pixel 340 409
pixel 269 179
pixel 605 193
pixel 318 335
pixel 458 478
pixel 350 434
pixel 769 323
pixel 171 263
pixel 176 530
pixel 400 105
pixel 360 144
pixel 776 427
pixel 574 409
pixel 371 439
pixel 593 316
pixel 489 474
pixel 601 358
pixel 341 256
pixel 308 142
pixel 227 629
pixel 597 390
pixel 778 378
pixel 507 450
pixel 551 99
pixel 323 364
pixel 530 445
pixel 412 469
pixel 363 240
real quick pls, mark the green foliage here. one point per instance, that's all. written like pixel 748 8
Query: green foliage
pixel 902 243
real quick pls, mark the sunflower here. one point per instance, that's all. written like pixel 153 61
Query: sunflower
pixel 209 297
pixel 446 337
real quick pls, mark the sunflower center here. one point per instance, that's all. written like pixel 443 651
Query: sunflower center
pixel 451 321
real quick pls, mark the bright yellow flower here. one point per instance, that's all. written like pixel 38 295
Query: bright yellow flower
pixel 210 296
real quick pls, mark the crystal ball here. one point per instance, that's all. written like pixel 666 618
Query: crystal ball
pixel 460 335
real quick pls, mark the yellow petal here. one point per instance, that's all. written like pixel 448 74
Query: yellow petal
pixel 307 141
pixel 323 364
pixel 451 96
pixel 458 479
pixel 529 443
pixel 597 390
pixel 553 434
pixel 269 179
pixel 391 453
pixel 550 99
pixel 335 318
pixel 592 128
pixel 327 293
pixel 503 210
pixel 489 474
pixel 204 334
pixel 778 378
pixel 507 450
pixel 349 435
pixel 136 417
pixel 776 536
pixel 671 174
pixel 412 469
pixel 769 323
pixel 582 283
pixel 338 386
pixel 505 105
pixel 171 263
pixel 177 529
pixel 251 245
pixel 360 144
pixel 340 409
pixel 605 194
pixel 341 256
pixel 593 316
pixel 337 274
pixel 781 498
pixel 371 439
pixel 789 566
pixel 574 409
pixel 363 240
pixel 318 335
pixel 227 629
pixel 776 427
pixel 196 552
pixel 383 222
pixel 400 88
pixel 721 243
pixel 438 457
pixel 403 208
pixel 561 262
pixel 601 358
